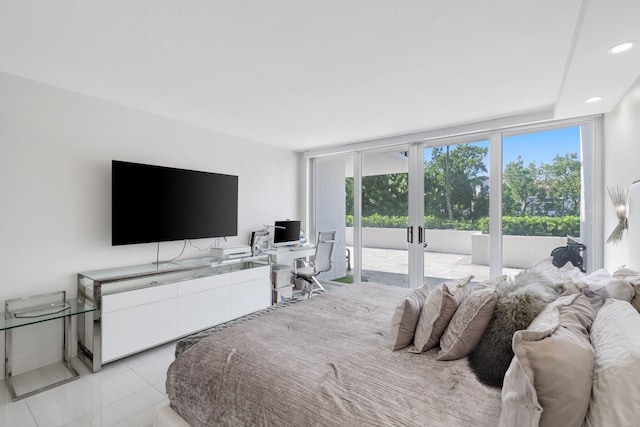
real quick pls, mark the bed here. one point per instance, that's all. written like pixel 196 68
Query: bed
pixel 328 361
pixel 324 361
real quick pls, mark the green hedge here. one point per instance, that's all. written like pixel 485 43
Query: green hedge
pixel 430 222
pixel 381 221
pixel 511 225
pixel 536 225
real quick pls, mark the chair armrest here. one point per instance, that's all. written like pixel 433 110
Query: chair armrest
pixel 302 261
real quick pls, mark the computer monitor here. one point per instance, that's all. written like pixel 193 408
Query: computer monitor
pixel 286 233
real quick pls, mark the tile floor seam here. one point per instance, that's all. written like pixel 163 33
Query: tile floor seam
pixel 107 406
pixel 31 413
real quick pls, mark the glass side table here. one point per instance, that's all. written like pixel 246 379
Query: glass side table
pixel 37 309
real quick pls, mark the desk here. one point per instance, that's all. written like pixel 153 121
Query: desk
pixel 285 255
pixel 288 257
pixel 28 311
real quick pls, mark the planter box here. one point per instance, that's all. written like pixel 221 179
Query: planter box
pixel 519 251
pixel 450 241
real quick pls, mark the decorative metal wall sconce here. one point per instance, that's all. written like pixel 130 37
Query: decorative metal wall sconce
pixel 619 198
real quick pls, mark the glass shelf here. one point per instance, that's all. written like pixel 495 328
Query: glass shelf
pixel 44 314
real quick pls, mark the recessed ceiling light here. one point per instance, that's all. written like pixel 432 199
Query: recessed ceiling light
pixel 593 99
pixel 621 47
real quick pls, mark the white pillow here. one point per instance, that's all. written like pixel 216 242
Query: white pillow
pixel 617 288
pixel 468 324
pixel 555 274
pixel 596 295
pixel 615 335
pixel 633 277
pixel 437 311
pixel 405 318
pixel 549 380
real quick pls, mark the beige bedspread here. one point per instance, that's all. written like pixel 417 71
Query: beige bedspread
pixel 325 362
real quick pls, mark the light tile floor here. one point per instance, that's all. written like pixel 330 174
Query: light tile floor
pixel 124 393
pixel 127 392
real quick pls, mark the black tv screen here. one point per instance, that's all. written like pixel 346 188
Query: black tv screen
pixel 158 204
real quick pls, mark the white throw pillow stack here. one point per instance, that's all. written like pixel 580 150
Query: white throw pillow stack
pixel 438 309
pixel 449 316
pixel 576 364
pixel 422 316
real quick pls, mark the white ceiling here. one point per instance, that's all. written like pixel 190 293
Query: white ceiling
pixel 305 74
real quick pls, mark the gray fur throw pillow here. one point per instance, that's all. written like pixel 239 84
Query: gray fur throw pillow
pixel 520 300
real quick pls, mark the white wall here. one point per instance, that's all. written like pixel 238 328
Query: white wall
pixel 621 165
pixel 331 210
pixel 56 149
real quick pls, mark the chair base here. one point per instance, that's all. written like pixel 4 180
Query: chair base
pixel 319 288
pixel 313 285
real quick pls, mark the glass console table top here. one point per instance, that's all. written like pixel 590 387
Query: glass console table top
pixel 178 266
pixel 44 314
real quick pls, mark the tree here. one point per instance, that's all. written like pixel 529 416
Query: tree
pixel 447 184
pixel 454 187
pixel 520 187
pixel 381 194
pixel 451 178
pixel 551 189
pixel 349 195
pixel 562 178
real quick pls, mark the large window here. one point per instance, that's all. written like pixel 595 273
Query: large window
pixel 484 204
pixel 542 193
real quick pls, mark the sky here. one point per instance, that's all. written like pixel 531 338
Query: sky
pixel 538 147
pixel 541 147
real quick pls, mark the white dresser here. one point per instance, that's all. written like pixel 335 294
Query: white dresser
pixel 142 306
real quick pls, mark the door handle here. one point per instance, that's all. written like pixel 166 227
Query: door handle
pixel 410 234
pixel 422 238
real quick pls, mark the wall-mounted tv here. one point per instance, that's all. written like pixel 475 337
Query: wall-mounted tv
pixel 157 204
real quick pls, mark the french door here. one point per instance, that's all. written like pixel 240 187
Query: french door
pixel 370 199
pixel 391 233
pixel 456 198
pixel 450 207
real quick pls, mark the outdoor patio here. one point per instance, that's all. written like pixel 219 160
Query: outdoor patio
pixel 390 266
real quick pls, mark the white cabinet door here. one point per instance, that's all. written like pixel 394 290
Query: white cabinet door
pixel 130 330
pixel 119 301
pixel 250 274
pixel 250 290
pixel 201 310
pixel 202 303
pixel 203 284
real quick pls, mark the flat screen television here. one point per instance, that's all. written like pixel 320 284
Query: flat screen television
pixel 286 233
pixel 157 204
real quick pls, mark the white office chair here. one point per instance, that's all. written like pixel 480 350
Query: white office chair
pixel 321 263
